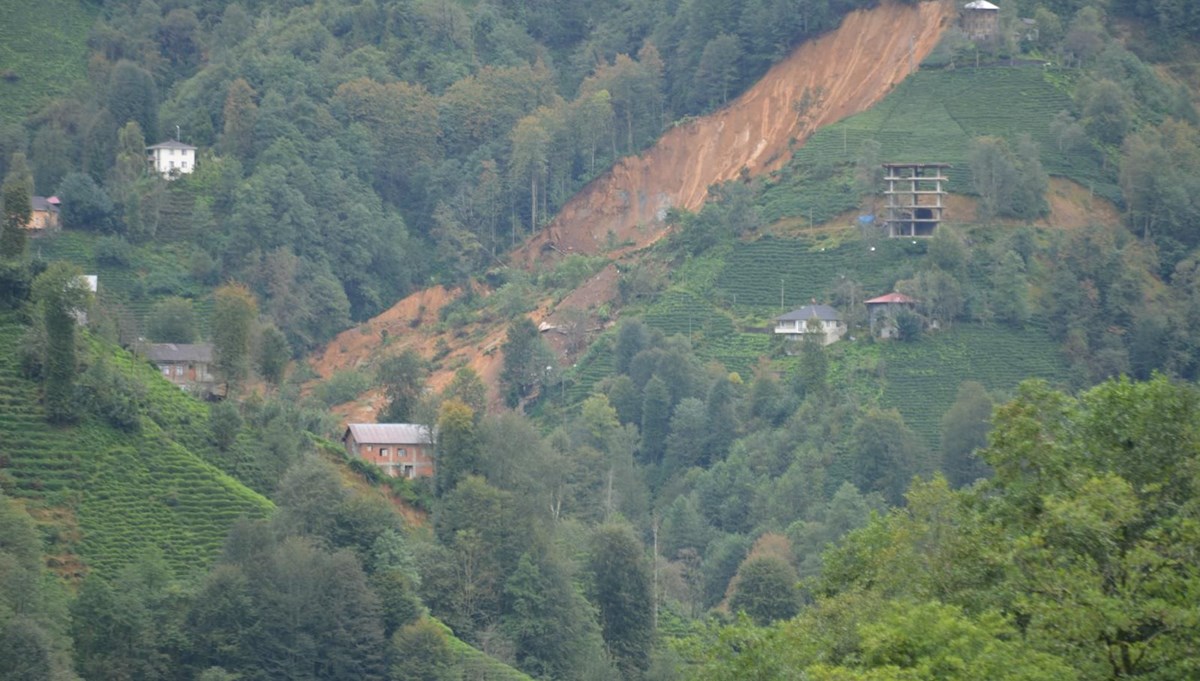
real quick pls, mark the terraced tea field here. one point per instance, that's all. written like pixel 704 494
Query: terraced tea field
pixel 921 379
pixel 755 272
pixel 43 52
pixel 932 117
pixel 128 491
pixel 153 273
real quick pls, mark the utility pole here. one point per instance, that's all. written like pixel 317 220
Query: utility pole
pixel 781 310
pixel 654 611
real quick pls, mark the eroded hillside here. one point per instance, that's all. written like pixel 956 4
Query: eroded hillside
pixel 824 80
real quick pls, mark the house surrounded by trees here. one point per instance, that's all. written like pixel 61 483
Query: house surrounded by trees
pixel 400 449
pixel 883 311
pixel 172 158
pixel 44 214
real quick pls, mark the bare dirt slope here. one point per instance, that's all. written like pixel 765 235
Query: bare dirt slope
pixel 843 72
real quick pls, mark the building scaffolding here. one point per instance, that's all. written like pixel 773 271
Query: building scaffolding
pixel 914 197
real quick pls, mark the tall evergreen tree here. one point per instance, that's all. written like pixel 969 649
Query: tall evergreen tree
pixel 16 197
pixel 458 446
pixel 61 294
pixel 233 317
pixel 656 420
pixel 620 581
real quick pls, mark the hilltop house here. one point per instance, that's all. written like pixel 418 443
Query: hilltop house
pixel 172 158
pixel 186 365
pixel 980 20
pixel 45 213
pixel 400 449
pixel 884 310
pixel 817 319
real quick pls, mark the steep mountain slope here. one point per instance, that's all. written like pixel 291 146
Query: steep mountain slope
pixel 824 80
pixel 842 73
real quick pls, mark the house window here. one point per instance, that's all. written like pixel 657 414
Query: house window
pixel 408 471
pixel 383 452
pixel 166 371
pixel 401 452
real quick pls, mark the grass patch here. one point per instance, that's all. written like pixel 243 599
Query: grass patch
pixel 43 52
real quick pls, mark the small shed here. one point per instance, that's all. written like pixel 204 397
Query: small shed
pixel 400 449
pixel 817 319
pixel 980 20
pixel 884 310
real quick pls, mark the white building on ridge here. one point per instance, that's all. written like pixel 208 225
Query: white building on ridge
pixel 172 158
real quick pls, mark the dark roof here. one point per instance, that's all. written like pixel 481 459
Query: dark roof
pixel 388 433
pixel 898 164
pixel 821 312
pixel 46 204
pixel 891 299
pixel 179 352
pixel 171 144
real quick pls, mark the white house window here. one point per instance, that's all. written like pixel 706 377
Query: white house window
pixel 401 452
pixel 383 452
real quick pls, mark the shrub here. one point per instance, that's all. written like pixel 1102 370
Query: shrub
pixel 112 395
pixel 342 387
pixel 113 251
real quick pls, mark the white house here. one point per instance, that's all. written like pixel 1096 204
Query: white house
pixel 172 158
pixel 820 319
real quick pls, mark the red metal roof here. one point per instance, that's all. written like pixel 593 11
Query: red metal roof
pixel 891 298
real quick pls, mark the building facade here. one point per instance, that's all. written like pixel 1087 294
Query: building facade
pixel 815 319
pixel 172 158
pixel 187 365
pixel 402 450
pixel 45 213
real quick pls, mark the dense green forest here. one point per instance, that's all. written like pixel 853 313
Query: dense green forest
pixel 690 498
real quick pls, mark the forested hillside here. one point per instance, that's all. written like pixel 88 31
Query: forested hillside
pixel 557 236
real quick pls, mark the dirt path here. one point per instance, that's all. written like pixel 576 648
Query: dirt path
pixel 844 72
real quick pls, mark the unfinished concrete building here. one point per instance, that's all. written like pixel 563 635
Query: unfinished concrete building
pixel 914 194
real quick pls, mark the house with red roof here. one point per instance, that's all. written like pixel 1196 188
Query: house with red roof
pixel 883 311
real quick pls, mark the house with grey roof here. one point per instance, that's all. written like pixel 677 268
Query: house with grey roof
pixel 171 158
pixel 187 365
pixel 980 20
pixel 45 212
pixel 811 319
pixel 402 450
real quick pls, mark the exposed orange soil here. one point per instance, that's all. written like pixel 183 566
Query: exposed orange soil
pixel 847 71
pixel 841 73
